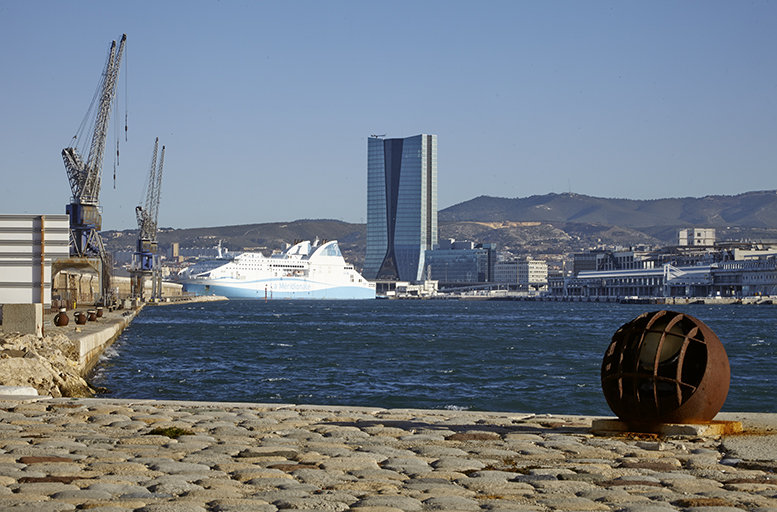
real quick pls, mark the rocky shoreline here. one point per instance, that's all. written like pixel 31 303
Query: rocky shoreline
pixel 50 365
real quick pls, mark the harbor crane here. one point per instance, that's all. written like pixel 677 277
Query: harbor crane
pixel 84 177
pixel 145 260
pixel 86 247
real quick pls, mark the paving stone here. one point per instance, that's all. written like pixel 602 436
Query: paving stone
pixel 323 478
pixel 450 503
pixel 611 496
pixel 81 495
pixel 173 487
pixel 349 463
pixel 389 452
pixel 172 507
pixel 397 502
pixel 572 503
pixel 258 472
pixel 715 509
pixel 116 489
pixel 693 486
pixel 242 507
pixel 378 474
pixel 97 507
pixel 647 507
pixel 273 483
pixel 118 468
pixel 496 486
pixel 173 467
pixel 312 503
pixel 21 506
pixel 457 464
pixel 406 465
pixel 43 488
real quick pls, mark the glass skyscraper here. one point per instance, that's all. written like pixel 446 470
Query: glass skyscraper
pixel 401 206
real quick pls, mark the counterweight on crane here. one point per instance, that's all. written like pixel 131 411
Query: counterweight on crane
pixel 145 260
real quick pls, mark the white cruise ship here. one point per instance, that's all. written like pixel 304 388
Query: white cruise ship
pixel 305 271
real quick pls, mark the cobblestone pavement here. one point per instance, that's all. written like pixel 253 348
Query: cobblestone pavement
pixel 117 455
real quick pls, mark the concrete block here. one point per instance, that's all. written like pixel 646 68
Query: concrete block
pixel 23 318
pixel 18 390
pixel 711 429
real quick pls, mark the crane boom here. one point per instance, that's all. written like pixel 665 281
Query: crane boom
pixel 85 177
pixel 147 214
pixel 157 194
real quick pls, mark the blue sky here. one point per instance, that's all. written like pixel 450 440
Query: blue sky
pixel 265 107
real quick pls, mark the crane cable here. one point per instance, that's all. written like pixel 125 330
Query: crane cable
pixel 126 94
pixel 116 134
pixel 116 161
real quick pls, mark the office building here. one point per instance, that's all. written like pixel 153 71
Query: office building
pixel 401 206
pixel 461 262
pixel 524 275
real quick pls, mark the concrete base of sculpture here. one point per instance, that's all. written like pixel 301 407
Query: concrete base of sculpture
pixel 712 429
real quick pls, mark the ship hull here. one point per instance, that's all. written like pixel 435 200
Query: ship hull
pixel 274 289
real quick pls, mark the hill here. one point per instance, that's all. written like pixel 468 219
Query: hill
pixel 752 209
pixel 254 237
pixel 548 226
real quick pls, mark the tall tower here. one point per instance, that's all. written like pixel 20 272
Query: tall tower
pixel 401 206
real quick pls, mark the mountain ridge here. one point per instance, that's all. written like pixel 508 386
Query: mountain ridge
pixel 548 226
pixel 750 209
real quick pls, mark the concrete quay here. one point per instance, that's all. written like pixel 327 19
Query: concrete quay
pixel 118 455
pixel 92 337
pixel 37 355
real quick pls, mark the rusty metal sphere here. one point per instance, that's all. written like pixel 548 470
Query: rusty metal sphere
pixel 665 367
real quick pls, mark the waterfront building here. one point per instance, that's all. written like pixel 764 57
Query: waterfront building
pixel 525 275
pixel 746 277
pixel 533 274
pixel 461 262
pixel 731 270
pixel 506 272
pixel 401 207
pixel 557 282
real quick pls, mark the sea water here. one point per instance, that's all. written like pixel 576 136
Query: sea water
pixel 538 357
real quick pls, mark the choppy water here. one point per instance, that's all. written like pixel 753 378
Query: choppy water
pixel 536 357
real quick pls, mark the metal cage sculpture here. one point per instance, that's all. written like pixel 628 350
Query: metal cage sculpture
pixel 665 367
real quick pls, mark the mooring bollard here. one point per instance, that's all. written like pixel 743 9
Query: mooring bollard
pixel 61 319
pixel 665 367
